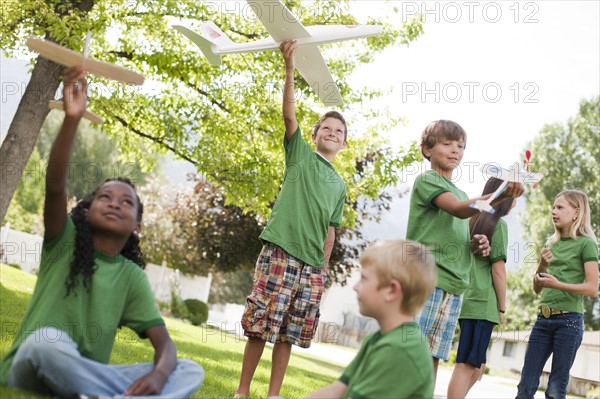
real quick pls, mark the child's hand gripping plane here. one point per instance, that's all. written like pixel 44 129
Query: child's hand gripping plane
pixel 513 174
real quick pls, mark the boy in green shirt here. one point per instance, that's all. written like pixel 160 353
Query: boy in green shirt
pixel 396 278
pixel 437 219
pixel 283 307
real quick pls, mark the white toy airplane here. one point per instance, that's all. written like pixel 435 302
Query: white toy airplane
pixel 69 58
pixel 283 25
pixel 508 175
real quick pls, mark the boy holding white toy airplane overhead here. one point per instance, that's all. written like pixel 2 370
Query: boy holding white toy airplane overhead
pixel 283 307
pixel 438 219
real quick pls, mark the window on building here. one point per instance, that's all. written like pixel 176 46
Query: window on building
pixel 509 349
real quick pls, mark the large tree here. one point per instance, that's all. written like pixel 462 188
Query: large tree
pixel 95 158
pixel 569 157
pixel 225 121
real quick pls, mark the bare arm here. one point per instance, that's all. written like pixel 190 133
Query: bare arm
pixel 165 360
pixel 328 247
pixel 336 390
pixel 588 288
pixel 499 281
pixel 461 209
pixel 545 258
pixel 55 206
pixel 288 48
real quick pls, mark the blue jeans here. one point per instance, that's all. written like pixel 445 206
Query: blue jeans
pixel 560 335
pixel 57 368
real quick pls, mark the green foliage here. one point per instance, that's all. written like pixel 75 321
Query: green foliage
pixel 569 157
pixel 522 301
pixel 27 204
pixel 178 307
pixel 197 310
pixel 95 158
pixel 193 229
pixel 226 121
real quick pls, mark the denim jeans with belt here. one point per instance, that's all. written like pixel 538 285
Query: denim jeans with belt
pixel 57 368
pixel 559 335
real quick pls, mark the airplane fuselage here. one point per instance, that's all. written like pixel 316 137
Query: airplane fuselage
pixel 318 34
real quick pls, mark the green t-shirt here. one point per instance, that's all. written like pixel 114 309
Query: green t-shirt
pixel 479 300
pixel 568 257
pixel 311 199
pixel 393 365
pixel 446 237
pixel 119 295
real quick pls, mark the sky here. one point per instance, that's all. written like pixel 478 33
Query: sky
pixel 501 69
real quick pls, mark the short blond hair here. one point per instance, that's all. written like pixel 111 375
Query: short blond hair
pixel 407 262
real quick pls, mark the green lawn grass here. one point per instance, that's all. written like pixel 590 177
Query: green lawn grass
pixel 218 352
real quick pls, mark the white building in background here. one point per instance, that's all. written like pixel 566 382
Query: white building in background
pixel 24 250
pixel 507 353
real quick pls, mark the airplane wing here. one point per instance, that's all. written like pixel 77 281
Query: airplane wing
pixel 278 20
pixel 313 68
pixel 69 58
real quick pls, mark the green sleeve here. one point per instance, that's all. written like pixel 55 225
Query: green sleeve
pixel 296 149
pixel 499 242
pixel 589 251
pixel 428 186
pixel 141 311
pixel 336 218
pixel 351 369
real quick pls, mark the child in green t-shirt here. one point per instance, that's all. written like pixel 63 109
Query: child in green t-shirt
pixel 567 271
pixel 290 275
pixel 484 300
pixel 90 283
pixel 396 277
pixel 437 219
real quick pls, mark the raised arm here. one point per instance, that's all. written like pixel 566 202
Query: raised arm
pixel 55 206
pixel 165 361
pixel 288 48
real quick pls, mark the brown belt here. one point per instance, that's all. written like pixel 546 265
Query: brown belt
pixel 547 311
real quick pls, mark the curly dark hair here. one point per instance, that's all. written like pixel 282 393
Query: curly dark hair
pixel 83 260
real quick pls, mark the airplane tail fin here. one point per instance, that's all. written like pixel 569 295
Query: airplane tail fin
pixel 211 31
pixel 206 45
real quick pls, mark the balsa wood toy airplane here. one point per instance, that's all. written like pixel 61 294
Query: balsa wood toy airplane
pixel 69 58
pixel 283 25
pixel 514 174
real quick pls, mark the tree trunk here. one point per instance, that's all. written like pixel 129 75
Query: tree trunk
pixel 25 129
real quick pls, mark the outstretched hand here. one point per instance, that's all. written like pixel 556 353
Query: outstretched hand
pixel 75 92
pixel 288 49
pixel 513 190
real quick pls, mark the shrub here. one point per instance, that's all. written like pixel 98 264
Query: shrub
pixel 178 307
pixel 198 311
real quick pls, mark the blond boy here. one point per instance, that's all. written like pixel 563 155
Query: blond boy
pixel 395 280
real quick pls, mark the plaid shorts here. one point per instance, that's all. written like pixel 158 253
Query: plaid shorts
pixel 285 298
pixel 438 320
